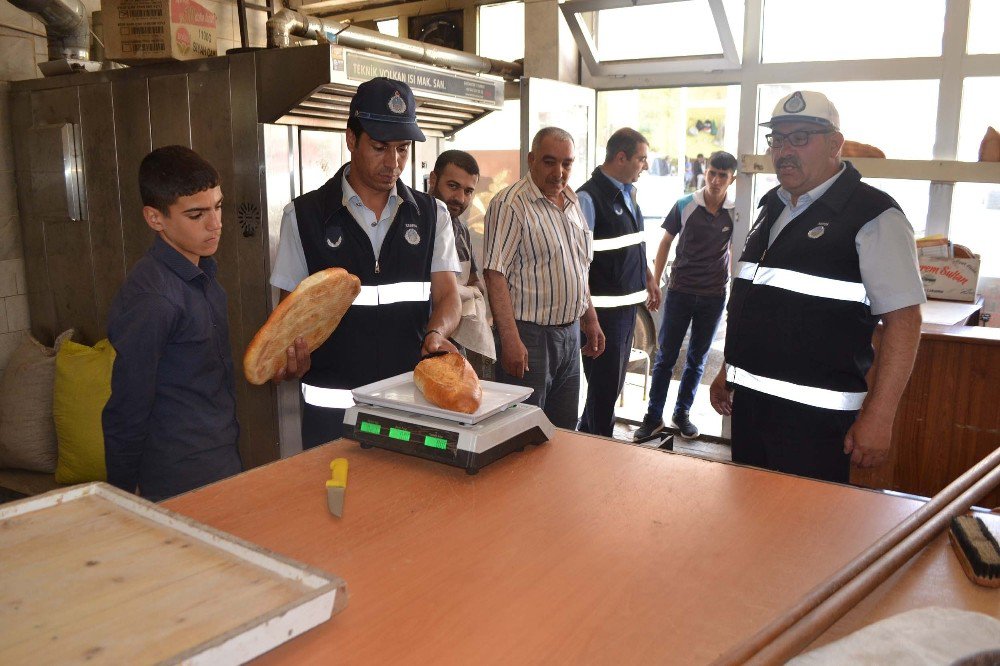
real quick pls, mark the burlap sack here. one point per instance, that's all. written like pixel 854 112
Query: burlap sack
pixel 27 431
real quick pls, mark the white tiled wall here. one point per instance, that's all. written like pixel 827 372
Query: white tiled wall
pixel 22 46
pixel 19 49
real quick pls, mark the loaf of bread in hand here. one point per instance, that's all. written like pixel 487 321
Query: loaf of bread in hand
pixel 855 149
pixel 311 312
pixel 448 381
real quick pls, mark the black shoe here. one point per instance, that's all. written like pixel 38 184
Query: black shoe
pixel 651 425
pixel 683 423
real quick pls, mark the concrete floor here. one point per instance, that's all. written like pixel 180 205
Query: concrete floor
pixel 711 443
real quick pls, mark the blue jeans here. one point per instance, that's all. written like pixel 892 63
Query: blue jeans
pixel 680 311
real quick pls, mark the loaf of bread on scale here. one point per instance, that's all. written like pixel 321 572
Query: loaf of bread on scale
pixel 448 381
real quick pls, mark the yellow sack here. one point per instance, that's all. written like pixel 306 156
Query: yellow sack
pixel 82 388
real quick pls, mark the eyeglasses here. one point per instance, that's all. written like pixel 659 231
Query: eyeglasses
pixel 797 138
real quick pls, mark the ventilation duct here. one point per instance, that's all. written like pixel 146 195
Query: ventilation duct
pixel 66 26
pixel 287 23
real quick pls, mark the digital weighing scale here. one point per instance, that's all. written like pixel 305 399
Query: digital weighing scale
pixel 393 414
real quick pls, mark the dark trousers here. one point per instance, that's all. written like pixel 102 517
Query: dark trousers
pixel 320 424
pixel 681 311
pixel 606 373
pixel 553 370
pixel 787 436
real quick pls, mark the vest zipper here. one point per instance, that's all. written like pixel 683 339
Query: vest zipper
pixel 376 267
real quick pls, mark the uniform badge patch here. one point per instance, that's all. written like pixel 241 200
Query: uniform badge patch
pixel 397 104
pixel 334 237
pixel 816 232
pixel 619 210
pixel 412 237
pixel 795 104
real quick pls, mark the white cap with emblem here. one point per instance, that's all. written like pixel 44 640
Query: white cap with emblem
pixel 805 106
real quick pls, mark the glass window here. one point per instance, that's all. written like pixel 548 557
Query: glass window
pixel 679 123
pixel 979 111
pixel 797 31
pixel 900 117
pixel 501 31
pixel 388 27
pixel 984 17
pixel 657 31
pixel 975 223
pixel 912 197
pixel 494 141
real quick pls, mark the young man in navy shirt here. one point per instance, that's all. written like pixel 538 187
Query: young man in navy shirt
pixel 170 423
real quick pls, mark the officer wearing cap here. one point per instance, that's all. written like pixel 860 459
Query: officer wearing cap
pixel 827 258
pixel 398 241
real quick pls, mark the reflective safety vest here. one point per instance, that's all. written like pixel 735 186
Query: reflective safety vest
pixel 381 334
pixel 799 321
pixel 618 270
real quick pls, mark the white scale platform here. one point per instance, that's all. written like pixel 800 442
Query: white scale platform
pixel 393 414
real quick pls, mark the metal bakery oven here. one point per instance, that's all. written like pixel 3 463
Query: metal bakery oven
pixel 271 121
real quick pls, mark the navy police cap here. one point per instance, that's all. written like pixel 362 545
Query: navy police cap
pixel 386 110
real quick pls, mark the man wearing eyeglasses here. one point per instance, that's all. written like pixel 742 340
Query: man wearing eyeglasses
pixel 827 258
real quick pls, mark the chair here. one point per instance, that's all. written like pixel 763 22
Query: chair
pixel 635 356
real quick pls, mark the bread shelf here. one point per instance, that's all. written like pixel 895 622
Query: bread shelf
pixel 941 171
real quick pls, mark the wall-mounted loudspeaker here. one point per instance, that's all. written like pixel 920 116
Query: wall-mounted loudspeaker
pixel 444 29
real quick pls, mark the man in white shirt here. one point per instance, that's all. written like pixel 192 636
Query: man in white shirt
pixel 398 241
pixel 827 258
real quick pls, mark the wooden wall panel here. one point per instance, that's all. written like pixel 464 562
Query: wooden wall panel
pixel 67 241
pixel 949 415
pixel 132 142
pixel 103 182
pixel 169 111
pixel 245 192
pixel 41 303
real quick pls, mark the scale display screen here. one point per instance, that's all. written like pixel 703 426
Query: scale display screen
pixel 408 437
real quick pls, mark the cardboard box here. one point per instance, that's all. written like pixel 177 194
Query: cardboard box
pixel 144 31
pixel 950 279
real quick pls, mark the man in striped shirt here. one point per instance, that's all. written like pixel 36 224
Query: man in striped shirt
pixel 537 252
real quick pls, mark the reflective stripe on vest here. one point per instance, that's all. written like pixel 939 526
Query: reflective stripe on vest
pixel 398 292
pixel 803 283
pixel 806 395
pixel 618 242
pixel 618 301
pixel 327 397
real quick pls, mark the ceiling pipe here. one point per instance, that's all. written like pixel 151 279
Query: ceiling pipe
pixel 66 27
pixel 286 23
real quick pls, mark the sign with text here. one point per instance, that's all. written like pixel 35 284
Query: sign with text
pixel 365 67
pixel 950 279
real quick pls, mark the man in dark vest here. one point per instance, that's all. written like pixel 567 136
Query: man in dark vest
pixel 827 258
pixel 398 241
pixel 619 276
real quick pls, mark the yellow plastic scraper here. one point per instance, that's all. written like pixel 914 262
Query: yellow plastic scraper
pixel 337 486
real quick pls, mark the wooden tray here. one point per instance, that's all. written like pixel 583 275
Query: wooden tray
pixel 94 574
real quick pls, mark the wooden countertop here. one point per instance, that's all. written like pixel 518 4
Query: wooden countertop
pixel 977 335
pixel 579 550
